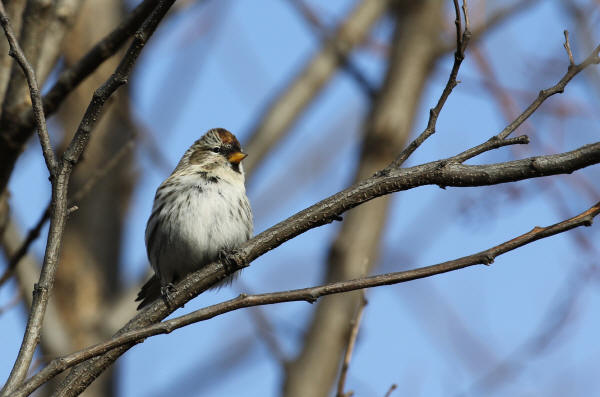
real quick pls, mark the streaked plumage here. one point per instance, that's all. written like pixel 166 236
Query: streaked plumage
pixel 199 211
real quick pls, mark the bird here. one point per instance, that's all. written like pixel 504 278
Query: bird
pixel 200 212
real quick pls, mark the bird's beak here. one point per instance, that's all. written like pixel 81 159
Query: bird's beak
pixel 236 157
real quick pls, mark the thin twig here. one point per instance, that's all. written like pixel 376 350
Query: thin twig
pixel 572 71
pixel 559 87
pixel 350 348
pixel 60 364
pixel 494 20
pixel 442 172
pixel 567 46
pixel 462 40
pixel 391 389
pixel 34 92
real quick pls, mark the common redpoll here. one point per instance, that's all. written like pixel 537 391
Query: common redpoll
pixel 199 212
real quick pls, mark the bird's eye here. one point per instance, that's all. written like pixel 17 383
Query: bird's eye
pixel 215 150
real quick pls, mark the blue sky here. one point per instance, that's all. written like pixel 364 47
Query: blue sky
pixel 189 80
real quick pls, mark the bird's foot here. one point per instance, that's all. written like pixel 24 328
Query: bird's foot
pixel 231 260
pixel 166 292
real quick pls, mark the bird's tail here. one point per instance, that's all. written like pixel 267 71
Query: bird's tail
pixel 149 292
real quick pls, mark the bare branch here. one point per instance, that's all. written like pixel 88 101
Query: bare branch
pixel 16 129
pixel 567 46
pixel 59 195
pixel 446 172
pixel 559 87
pixel 306 294
pixel 289 104
pixel 391 389
pixel 572 71
pixel 442 173
pixel 350 348
pixel 34 92
pixel 497 18
pixel 462 40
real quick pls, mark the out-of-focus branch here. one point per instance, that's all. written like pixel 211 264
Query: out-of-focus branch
pixel 14 9
pixel 313 20
pixel 266 332
pixel 306 294
pixel 59 195
pixel 36 17
pixel 286 107
pixel 54 337
pixel 390 390
pixel 556 319
pixel 354 252
pixel 497 18
pixel 350 349
pixel 34 232
pixel 34 92
pixel 16 128
pixel 64 13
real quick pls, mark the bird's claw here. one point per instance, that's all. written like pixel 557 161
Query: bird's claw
pixel 166 291
pixel 230 260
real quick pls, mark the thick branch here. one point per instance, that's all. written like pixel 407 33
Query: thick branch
pixel 442 172
pixel 305 294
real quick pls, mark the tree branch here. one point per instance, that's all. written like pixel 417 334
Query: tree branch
pixel 305 294
pixel 441 172
pixel 572 71
pixel 17 129
pixel 350 348
pixel 59 195
pixel 285 107
pixel 462 40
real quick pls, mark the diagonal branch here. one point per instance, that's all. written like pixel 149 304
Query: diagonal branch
pixel 286 107
pixel 572 71
pixel 305 294
pixel 441 172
